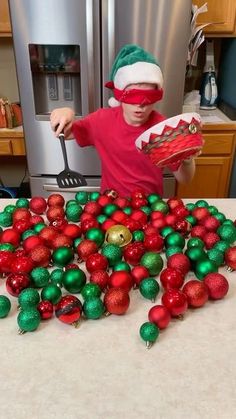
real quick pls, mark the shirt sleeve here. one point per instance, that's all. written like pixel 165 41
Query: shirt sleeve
pixel 83 131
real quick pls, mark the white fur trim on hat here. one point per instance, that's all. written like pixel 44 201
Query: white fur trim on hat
pixel 140 72
pixel 112 102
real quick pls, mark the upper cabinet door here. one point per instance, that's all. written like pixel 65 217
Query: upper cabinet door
pixel 5 25
pixel 221 13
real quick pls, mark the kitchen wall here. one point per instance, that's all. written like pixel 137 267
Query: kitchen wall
pixel 8 79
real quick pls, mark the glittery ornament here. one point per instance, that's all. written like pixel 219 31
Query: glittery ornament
pixel 73 280
pixel 175 301
pixel 133 253
pixel 96 262
pixel 174 202
pixel 89 224
pixel 210 239
pixel 40 255
pixel 38 205
pixel 69 309
pixel 6 259
pixel 217 285
pixel 190 206
pixel 174 239
pixel 131 224
pixel 172 250
pixel 61 240
pixel 140 216
pixel 171 278
pixel 94 196
pixel 51 293
pixel 108 223
pixel 90 290
pixel 121 202
pixel 10 236
pixel 147 210
pixel 216 256
pixel 153 262
pixel 200 213
pixel 73 213
pixel 181 212
pixel 62 256
pixel 93 308
pixel 180 262
pixel 16 282
pixel 7 246
pixel 153 197
pixel 31 242
pixel 45 309
pixel 118 235
pixel 104 200
pixel 211 223
pixel 5 306
pixel 222 246
pixel 116 301
pixel 35 219
pixel 138 235
pixel 100 278
pixel 149 288
pixel 10 208
pixel 54 213
pixel 199 231
pixel 201 203
pixel 121 279
pixel 28 320
pixel 21 225
pixel 160 206
pixel 191 219
pixel 230 258
pixel 82 197
pixel 149 332
pixel 5 219
pixel 93 208
pixel 160 316
pixel 138 274
pixel 86 248
pixel 153 242
pixel 96 235
pixel 112 252
pixel 29 297
pixel 56 200
pixel 59 224
pixel 220 216
pixel 40 277
pixel 212 210
pixel 56 277
pixel 171 220
pixel 227 232
pixel 21 214
pixel 196 293
pixel 204 267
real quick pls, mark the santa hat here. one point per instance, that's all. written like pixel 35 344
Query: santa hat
pixel 133 65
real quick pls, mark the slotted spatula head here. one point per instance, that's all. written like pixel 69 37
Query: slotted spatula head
pixel 68 178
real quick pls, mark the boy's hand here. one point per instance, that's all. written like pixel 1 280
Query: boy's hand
pixel 61 121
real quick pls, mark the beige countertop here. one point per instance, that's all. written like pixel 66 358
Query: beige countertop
pixel 102 370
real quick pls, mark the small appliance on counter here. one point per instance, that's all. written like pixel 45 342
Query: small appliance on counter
pixel 208 89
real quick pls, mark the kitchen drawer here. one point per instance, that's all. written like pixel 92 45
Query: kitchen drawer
pixel 218 143
pixel 5 147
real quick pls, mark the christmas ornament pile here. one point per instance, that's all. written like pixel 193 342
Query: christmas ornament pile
pixel 83 259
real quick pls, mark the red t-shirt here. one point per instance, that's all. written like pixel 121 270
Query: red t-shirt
pixel 124 168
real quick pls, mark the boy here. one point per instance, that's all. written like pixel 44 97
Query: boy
pixel 136 81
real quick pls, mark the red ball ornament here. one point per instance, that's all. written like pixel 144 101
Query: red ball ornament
pixel 55 213
pixel 69 309
pixel 118 216
pixel 61 240
pixel 183 227
pixel 71 266
pixel 22 264
pixel 210 239
pixel 19 253
pixel 198 231
pixel 158 223
pixel 36 219
pixel 171 220
pixel 6 259
pixel 153 242
pixel 89 223
pixel 45 309
pixel 40 255
pixel 180 211
pixel 38 204
pixel 56 200
pixel 171 278
pixel 30 242
pixel 104 200
pixel 138 202
pixel 131 224
pixel 16 282
pixel 121 279
pixel 138 193
pixel 140 216
pixel 157 214
pixel 72 230
pixel 116 301
pixel 200 213
pixel 21 214
pixel 108 224
pixel 196 293
pixel 86 216
pixel 121 202
pixel 175 301
pixel 100 278
pixel 210 223
pixel 10 236
pixel 174 202
pixel 59 224
pixel 48 234
pixel 96 262
pixel 149 229
pixel 93 208
pixel 217 285
pixel 160 316
pixel 133 253
pixel 179 262
pixel 139 273
pixel 230 258
pixel 22 225
pixel 86 248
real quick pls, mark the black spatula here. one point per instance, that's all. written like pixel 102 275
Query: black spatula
pixel 68 178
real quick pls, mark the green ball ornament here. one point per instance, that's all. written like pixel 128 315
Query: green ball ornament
pixel 147 210
pixel 127 210
pixel 109 209
pixel 112 252
pixel 5 306
pixel 82 197
pixel 5 219
pixel 191 219
pixel 7 246
pixel 96 235
pixel 28 298
pixel 222 246
pixel 22 203
pixel 204 267
pixel 190 206
pixel 27 233
pixel 38 227
pixel 160 206
pixel 227 221
pixel 10 208
pixel 227 233
pixel 52 293
pixel 73 212
pixel 216 256
pixel 77 241
pixel 121 266
pixel 220 216
pixel 138 236
pixel 172 250
pixel 40 277
pixel 56 277
pixel 94 196
pixel 166 230
pixel 174 239
pixel 195 254
pixel 201 203
pixel 153 262
pixel 101 218
pixel 149 288
pixel 149 332
pixel 73 280
pixel 71 202
pixel 195 242
pixel 91 290
pixel 212 210
pixel 62 256
pixel 93 308
pixel 153 197
pixel 28 320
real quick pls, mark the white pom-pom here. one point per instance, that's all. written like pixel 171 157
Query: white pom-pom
pixel 112 102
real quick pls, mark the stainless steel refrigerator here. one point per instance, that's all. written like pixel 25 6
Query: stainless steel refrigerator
pixel 64 50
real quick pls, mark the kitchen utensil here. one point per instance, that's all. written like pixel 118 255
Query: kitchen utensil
pixel 208 89
pixel 68 178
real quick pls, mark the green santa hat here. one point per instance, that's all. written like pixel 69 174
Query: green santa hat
pixel 133 65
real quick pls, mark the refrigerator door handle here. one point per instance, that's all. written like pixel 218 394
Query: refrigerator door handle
pixel 90 54
pixel 108 43
pixel 52 187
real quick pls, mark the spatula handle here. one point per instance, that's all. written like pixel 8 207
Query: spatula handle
pixel 63 147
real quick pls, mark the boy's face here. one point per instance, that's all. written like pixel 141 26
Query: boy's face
pixel 137 114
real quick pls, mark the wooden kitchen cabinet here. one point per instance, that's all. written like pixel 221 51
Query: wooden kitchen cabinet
pixel 213 167
pixel 12 143
pixel 222 15
pixel 5 23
